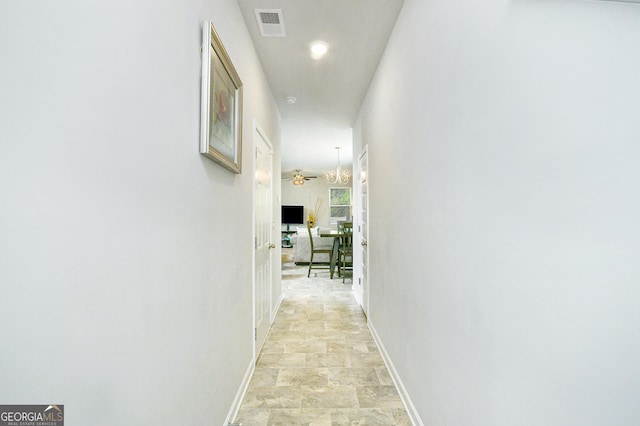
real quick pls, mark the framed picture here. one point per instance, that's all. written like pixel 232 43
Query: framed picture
pixel 221 109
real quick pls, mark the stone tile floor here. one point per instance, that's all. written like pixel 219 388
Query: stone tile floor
pixel 320 365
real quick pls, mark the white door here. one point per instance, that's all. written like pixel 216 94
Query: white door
pixel 263 237
pixel 361 287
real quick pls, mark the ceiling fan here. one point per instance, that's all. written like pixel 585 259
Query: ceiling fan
pixel 298 178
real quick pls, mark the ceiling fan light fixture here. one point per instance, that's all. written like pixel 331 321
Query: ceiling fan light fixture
pixel 298 179
pixel 318 49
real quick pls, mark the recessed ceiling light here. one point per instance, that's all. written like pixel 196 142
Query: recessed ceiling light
pixel 291 100
pixel 318 49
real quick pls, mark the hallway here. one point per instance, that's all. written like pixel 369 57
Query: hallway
pixel 320 365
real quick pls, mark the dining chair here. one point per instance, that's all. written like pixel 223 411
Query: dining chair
pixel 345 230
pixel 317 250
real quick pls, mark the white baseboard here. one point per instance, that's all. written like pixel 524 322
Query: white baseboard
pixel 235 406
pixel 274 312
pixel 406 400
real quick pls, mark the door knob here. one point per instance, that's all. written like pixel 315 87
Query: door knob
pixel 272 246
pixel 363 244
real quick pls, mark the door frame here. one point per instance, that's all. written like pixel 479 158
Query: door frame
pixel 361 293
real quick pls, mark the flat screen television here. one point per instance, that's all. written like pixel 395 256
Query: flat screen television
pixel 293 215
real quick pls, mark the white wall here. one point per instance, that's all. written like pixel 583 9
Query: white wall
pixel 125 256
pixel 507 133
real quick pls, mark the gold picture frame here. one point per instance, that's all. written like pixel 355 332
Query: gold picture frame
pixel 221 109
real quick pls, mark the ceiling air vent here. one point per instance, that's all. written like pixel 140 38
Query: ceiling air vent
pixel 270 22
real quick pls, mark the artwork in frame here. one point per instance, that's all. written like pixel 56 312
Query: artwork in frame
pixel 221 109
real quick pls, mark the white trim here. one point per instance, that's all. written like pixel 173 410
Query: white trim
pixel 276 308
pixel 404 395
pixel 253 241
pixel 244 386
pixel 362 293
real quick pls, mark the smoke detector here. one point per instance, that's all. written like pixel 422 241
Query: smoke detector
pixel 270 22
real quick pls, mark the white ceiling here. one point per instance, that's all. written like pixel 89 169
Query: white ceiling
pixel 328 91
